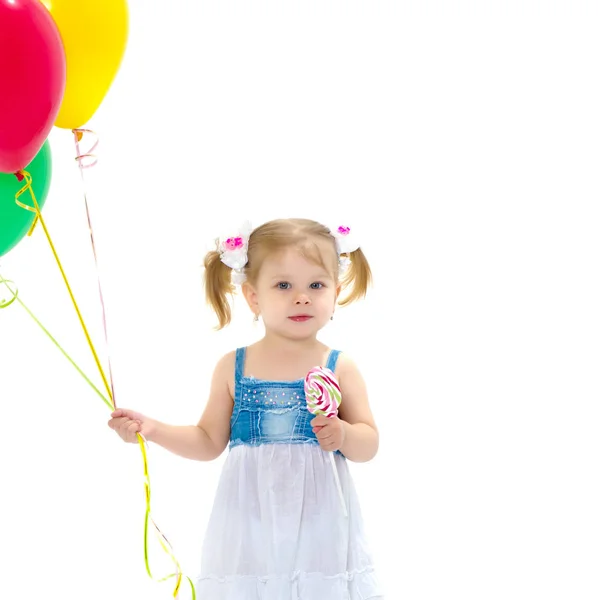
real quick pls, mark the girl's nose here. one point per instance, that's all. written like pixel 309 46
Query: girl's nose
pixel 302 299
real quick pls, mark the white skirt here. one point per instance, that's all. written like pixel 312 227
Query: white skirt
pixel 278 531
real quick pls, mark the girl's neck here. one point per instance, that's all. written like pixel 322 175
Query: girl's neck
pixel 286 359
pixel 273 343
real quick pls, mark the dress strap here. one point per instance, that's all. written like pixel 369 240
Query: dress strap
pixel 240 359
pixel 332 360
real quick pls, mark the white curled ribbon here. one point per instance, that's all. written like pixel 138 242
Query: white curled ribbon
pixel 234 252
pixel 344 265
pixel 238 276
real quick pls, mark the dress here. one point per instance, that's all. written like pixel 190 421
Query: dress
pixel 277 529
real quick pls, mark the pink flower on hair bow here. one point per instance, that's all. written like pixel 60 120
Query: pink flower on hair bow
pixel 233 243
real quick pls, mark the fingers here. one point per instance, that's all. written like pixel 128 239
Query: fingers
pixel 323 433
pixel 320 421
pixel 126 428
pixel 132 428
pixel 329 444
pixel 327 439
pixel 122 415
pixel 124 412
pixel 329 435
pixel 326 431
pixel 117 422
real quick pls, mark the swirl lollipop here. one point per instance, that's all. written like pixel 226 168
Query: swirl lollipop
pixel 323 397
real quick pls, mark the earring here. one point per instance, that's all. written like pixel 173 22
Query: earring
pixel 331 319
pixel 256 318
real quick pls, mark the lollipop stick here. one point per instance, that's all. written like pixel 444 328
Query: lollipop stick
pixel 337 483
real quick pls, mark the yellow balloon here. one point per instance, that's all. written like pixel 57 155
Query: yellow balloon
pixel 94 35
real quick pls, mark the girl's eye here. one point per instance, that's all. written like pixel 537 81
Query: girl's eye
pixel 317 285
pixel 283 285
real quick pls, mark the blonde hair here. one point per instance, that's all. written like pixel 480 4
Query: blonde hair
pixel 275 236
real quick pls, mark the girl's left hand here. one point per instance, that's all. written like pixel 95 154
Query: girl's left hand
pixel 329 431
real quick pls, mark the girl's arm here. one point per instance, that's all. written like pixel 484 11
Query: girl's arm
pixel 208 439
pixel 361 437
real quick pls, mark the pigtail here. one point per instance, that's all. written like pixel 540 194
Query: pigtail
pixel 217 284
pixel 357 278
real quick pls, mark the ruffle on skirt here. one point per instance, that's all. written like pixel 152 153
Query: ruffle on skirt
pixel 359 585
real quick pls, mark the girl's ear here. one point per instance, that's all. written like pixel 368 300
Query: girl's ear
pixel 251 297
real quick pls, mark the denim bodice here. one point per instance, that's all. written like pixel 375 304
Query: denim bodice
pixel 267 412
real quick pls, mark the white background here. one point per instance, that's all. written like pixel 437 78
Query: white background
pixel 461 142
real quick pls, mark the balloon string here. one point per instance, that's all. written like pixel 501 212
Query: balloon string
pixel 16 298
pixel 82 158
pixel 85 161
pixel 166 546
pixel 36 209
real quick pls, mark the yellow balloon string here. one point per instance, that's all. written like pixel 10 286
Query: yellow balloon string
pixel 36 209
pixel 32 226
pixel 166 546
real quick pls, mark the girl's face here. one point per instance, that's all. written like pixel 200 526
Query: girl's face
pixel 294 296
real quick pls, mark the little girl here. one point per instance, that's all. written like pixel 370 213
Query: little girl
pixel 278 530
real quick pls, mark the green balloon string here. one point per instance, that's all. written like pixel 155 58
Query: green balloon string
pixel 15 298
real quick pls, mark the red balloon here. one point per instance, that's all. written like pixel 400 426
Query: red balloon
pixel 32 80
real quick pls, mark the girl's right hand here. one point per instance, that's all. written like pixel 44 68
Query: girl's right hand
pixel 128 423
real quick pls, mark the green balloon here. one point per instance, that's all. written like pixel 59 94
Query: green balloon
pixel 15 221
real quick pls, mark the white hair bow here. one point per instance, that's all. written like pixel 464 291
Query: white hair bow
pixel 234 252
